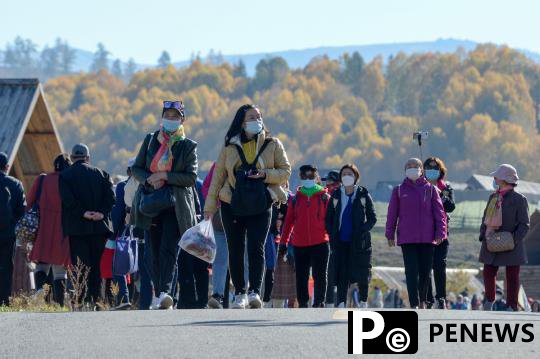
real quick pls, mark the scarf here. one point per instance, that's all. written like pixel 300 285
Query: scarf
pixel 163 159
pixel 493 220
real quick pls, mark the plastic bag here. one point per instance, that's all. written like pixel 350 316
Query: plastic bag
pixel 200 242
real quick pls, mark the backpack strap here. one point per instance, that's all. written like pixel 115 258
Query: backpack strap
pixel 263 147
pixel 243 156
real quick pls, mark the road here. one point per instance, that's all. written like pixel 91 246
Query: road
pixel 266 333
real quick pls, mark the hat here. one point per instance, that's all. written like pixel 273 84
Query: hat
pixel 3 160
pixel 173 105
pixel 80 150
pixel 131 162
pixel 331 176
pixel 506 173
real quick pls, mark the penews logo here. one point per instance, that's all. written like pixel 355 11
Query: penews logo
pixel 383 332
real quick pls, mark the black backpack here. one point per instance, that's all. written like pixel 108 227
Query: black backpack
pixel 249 196
pixel 6 212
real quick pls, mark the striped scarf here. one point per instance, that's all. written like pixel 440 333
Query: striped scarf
pixel 163 159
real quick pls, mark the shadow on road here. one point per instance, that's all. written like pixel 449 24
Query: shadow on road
pixel 247 323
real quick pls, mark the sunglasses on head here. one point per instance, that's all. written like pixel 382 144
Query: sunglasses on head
pixel 178 105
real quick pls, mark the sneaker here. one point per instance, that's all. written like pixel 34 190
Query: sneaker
pixel 240 301
pixel 488 306
pixel 362 305
pixel 165 301
pixel 123 306
pixel 441 303
pixel 155 304
pixel 215 301
pixel 254 300
pixel 341 305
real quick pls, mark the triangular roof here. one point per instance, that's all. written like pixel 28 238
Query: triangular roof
pixel 28 133
pixel 480 182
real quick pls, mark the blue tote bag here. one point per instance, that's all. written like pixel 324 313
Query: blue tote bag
pixel 126 254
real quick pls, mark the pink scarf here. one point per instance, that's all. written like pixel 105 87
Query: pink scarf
pixel 493 220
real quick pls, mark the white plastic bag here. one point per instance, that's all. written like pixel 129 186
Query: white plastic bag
pixel 199 241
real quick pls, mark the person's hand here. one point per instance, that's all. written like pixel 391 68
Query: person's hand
pixel 89 215
pixel 282 249
pixel 257 175
pixel 391 242
pixel 438 241
pixel 208 216
pixel 98 216
pixel 157 185
pixel 157 177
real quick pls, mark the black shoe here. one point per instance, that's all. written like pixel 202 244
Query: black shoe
pixel 215 301
pixel 40 278
pixel 441 303
pixel 59 291
pixel 429 305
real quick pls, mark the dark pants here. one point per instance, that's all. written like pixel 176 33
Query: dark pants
pixel 145 263
pixel 512 284
pixel 418 260
pixel 193 279
pixel 237 229
pixel 165 241
pixel 348 272
pixel 440 253
pixel 331 285
pixel 316 258
pixel 6 269
pixel 89 250
pixel 268 284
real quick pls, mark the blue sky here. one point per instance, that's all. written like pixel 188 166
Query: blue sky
pixel 142 29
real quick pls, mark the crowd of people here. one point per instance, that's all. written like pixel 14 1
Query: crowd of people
pixel 276 246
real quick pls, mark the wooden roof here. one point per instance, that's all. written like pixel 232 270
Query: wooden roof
pixel 27 132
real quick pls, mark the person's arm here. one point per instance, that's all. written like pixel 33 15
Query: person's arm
pixel 483 227
pixel 69 202
pixel 31 197
pixel 218 180
pixel 118 213
pixel 439 215
pixel 392 216
pixel 371 215
pixel 19 203
pixel 282 167
pixel 188 176
pixel 138 170
pixel 289 224
pixel 448 199
pixel 329 220
pixel 109 197
pixel 522 217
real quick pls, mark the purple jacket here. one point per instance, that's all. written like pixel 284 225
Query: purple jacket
pixel 416 210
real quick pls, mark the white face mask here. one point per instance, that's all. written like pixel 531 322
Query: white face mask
pixel 413 173
pixel 253 127
pixel 308 183
pixel 347 181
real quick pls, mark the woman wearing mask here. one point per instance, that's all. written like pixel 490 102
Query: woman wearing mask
pixel 506 215
pixel 350 218
pixel 51 248
pixel 247 179
pixel 305 223
pixel 435 173
pixel 417 213
pixel 166 161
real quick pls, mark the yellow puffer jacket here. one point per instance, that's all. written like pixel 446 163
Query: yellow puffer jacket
pixel 273 162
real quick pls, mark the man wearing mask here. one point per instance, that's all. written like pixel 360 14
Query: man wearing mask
pixel 332 181
pixel 305 224
pixel 87 200
pixel 12 204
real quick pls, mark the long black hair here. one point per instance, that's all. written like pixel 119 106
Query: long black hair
pixel 236 126
pixel 61 162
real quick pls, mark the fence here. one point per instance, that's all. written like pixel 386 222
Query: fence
pixel 456 222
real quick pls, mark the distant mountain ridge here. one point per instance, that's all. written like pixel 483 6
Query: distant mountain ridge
pixel 300 58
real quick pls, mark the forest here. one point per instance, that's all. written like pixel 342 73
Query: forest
pixel 480 108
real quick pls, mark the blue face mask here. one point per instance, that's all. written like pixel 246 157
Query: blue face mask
pixel 308 183
pixel 495 185
pixel 433 175
pixel 170 125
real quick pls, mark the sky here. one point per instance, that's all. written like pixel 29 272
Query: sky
pixel 142 29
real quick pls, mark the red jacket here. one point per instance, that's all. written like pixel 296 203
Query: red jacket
pixel 305 220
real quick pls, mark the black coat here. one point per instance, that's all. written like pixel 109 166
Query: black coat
pixel 364 219
pixel 17 203
pixel 86 188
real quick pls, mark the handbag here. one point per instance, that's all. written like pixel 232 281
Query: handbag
pixel 500 242
pixel 126 254
pixel 153 202
pixel 27 227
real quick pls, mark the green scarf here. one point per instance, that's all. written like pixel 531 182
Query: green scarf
pixel 311 191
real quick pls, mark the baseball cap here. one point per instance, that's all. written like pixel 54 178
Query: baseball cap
pixel 3 159
pixel 331 176
pixel 173 105
pixel 80 150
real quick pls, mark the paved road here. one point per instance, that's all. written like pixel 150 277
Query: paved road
pixel 270 333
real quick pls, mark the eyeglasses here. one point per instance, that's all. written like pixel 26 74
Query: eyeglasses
pixel 178 105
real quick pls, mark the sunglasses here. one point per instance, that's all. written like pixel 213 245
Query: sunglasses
pixel 178 105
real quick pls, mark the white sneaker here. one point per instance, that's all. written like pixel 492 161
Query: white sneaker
pixel 240 301
pixel 341 305
pixel 362 305
pixel 155 303
pixel 165 301
pixel 254 300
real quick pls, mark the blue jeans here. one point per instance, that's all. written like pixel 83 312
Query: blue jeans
pixel 221 263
